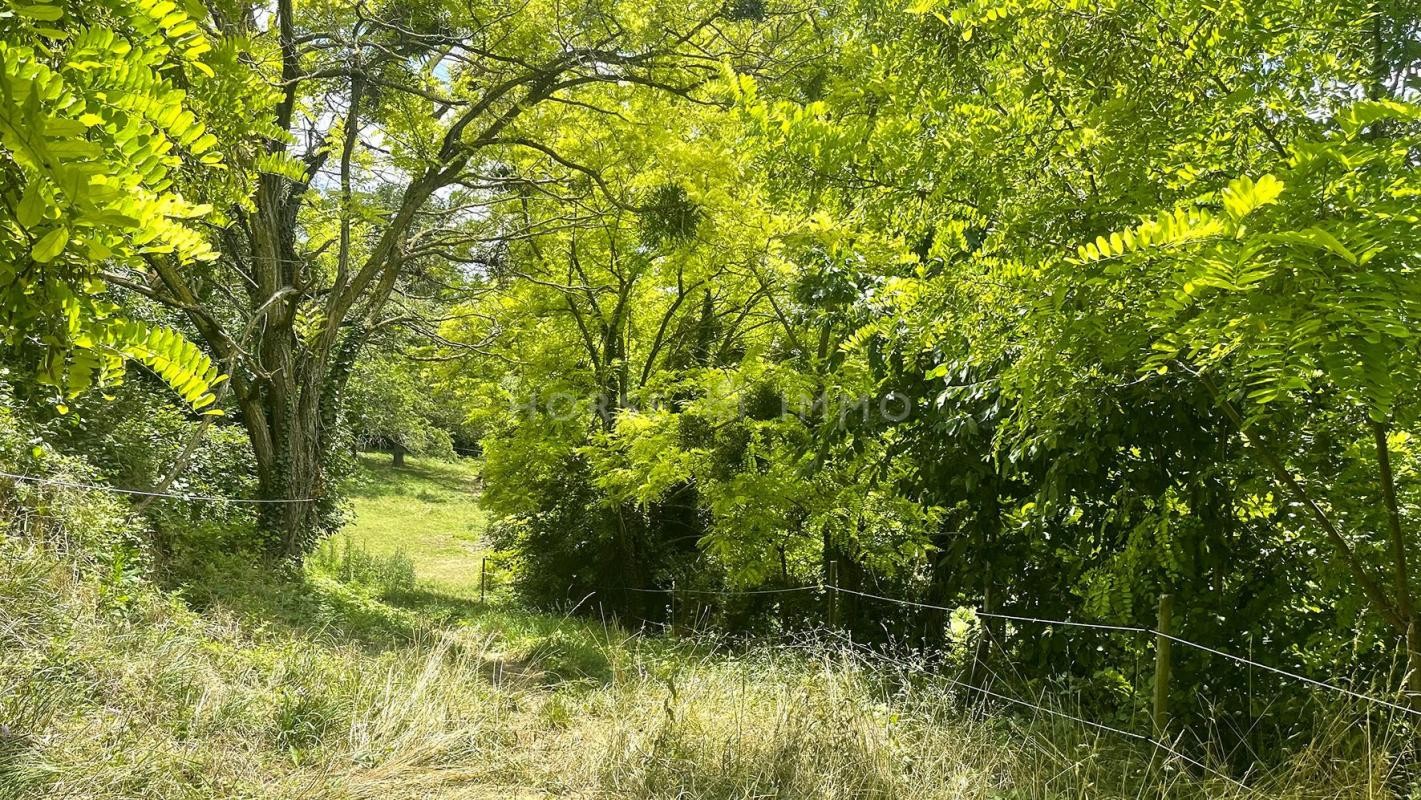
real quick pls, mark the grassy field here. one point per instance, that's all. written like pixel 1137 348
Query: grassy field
pixel 428 510
pixel 414 544
pixel 380 675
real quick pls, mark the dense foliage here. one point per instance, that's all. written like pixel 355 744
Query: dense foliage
pixel 95 123
pixel 937 346
pixel 1045 307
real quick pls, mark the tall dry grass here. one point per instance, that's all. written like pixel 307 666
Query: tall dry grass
pixel 133 695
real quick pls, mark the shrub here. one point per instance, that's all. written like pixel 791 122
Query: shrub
pixel 94 529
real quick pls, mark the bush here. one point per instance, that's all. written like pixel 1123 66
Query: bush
pixel 92 528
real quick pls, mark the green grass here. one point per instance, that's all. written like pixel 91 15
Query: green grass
pixel 427 510
pixel 414 546
pixel 391 681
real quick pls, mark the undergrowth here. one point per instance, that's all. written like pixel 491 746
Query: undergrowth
pixel 219 676
pixel 139 695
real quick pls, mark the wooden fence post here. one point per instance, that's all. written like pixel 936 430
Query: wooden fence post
pixel 1162 665
pixel 833 594
pixel 483 578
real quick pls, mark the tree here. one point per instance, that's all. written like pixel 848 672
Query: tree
pixel 390 406
pixel 1294 297
pixel 990 139
pixel 647 286
pixel 396 127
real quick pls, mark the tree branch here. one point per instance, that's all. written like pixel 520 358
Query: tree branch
pixel 1354 565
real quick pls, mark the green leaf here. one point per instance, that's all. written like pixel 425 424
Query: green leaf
pixel 41 13
pixel 1318 238
pixel 1243 196
pixel 32 205
pixel 50 245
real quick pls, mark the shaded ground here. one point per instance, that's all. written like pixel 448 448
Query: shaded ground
pixel 405 571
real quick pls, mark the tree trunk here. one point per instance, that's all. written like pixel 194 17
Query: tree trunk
pixel 945 577
pixel 1401 570
pixel 289 414
pixel 291 484
pixel 289 448
pixel 398 451
pixel 1412 683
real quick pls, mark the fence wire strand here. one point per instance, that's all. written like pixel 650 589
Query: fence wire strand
pixel 1172 751
pixel 1100 726
pixel 140 493
pixel 726 592
pixel 1313 682
pixel 1176 639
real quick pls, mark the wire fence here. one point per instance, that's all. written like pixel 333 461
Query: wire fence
pixel 1161 744
pixel 1158 744
pixel 1303 679
pixel 725 593
pixel 835 591
pixel 32 479
pixel 1313 682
